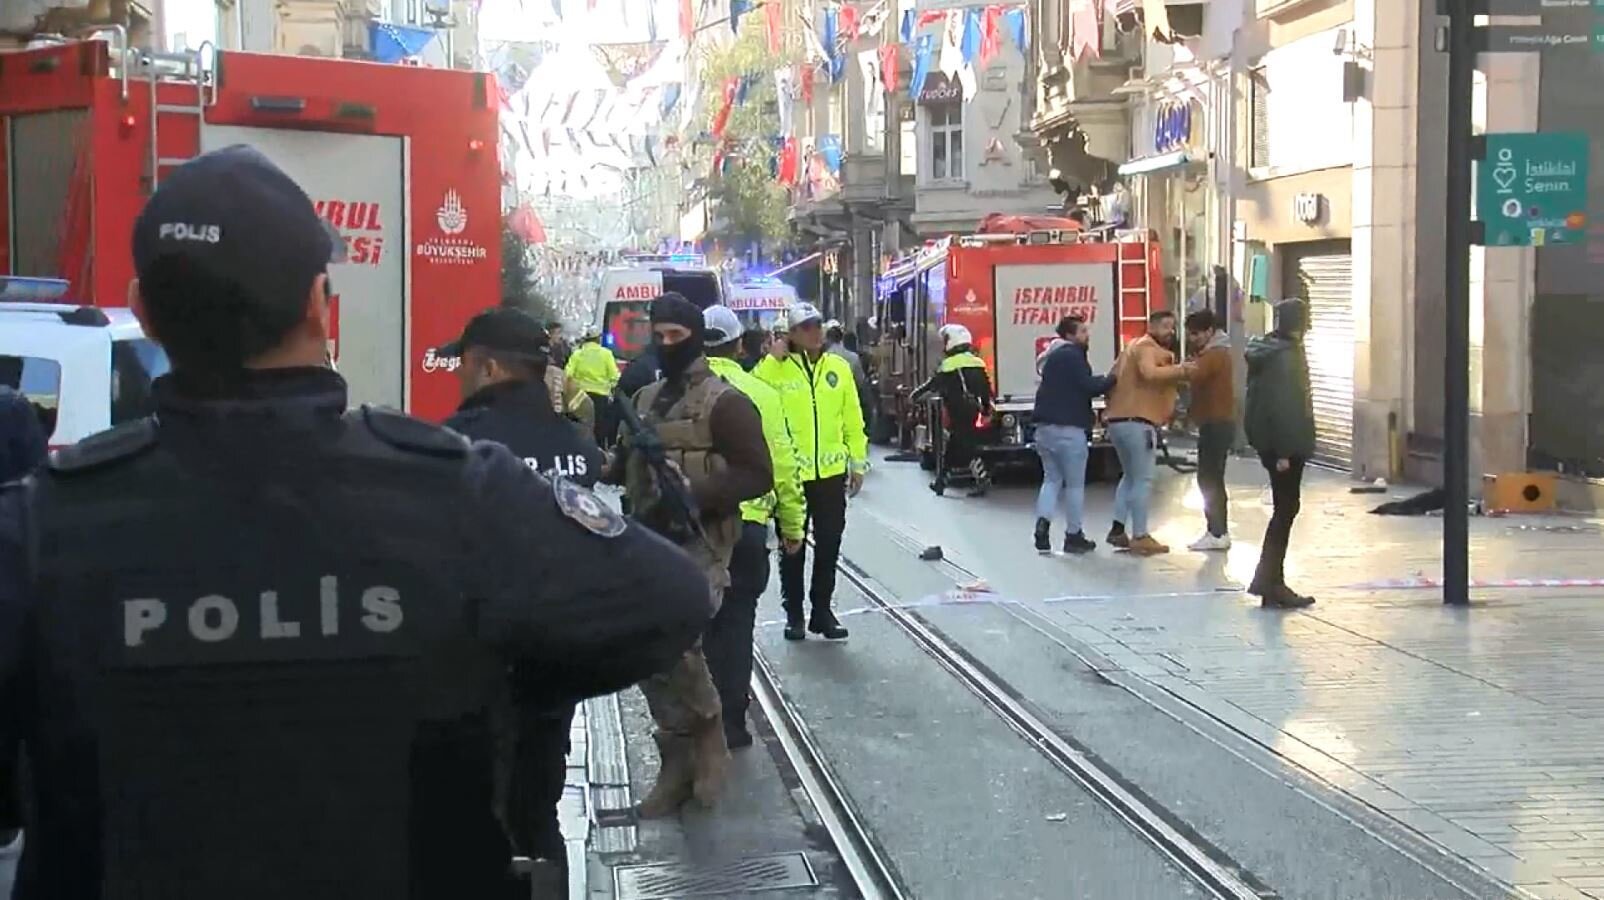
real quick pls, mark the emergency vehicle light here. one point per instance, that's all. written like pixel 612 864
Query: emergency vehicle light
pixel 17 289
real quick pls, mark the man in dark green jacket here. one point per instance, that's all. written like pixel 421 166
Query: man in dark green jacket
pixel 1279 420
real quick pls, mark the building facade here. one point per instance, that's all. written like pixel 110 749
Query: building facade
pixel 968 157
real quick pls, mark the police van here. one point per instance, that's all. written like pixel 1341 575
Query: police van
pixel 624 300
pixel 84 368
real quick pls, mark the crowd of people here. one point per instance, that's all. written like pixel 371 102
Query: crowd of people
pixel 1141 391
pixel 259 603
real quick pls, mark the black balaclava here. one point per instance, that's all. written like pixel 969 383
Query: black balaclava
pixel 674 309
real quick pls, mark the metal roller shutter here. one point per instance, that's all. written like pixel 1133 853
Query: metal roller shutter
pixel 1326 283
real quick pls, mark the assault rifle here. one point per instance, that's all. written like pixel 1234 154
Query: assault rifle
pixel 672 513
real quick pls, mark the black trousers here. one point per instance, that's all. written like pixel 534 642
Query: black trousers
pixel 605 428
pixel 1286 490
pixel 540 768
pixel 827 513
pixel 1214 440
pixel 727 643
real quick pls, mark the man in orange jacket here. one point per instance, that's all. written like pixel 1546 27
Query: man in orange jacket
pixel 1146 377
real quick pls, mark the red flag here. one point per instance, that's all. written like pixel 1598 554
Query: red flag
pixel 1084 38
pixel 718 160
pixel 806 77
pixel 889 62
pixel 721 119
pixel 773 17
pixel 932 16
pixel 990 33
pixel 849 23
pixel 788 162
pixel 687 20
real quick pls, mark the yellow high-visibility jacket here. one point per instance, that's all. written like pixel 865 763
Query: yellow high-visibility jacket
pixel 594 368
pixel 821 406
pixel 784 503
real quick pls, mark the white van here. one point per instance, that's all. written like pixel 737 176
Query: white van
pixel 85 369
pixel 623 308
pixel 761 302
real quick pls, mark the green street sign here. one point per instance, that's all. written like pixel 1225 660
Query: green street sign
pixel 1531 189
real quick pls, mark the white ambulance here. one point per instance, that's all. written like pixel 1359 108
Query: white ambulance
pixel 623 308
pixel 760 301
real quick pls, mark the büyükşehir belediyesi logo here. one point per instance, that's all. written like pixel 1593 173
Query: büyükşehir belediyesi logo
pixel 451 216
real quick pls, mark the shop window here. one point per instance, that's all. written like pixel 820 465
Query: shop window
pixel 1259 98
pixel 946 142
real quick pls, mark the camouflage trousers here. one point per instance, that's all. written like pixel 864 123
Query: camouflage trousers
pixel 684 697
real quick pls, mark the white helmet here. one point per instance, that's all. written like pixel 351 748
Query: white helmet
pixel 955 335
pixel 801 314
pixel 720 325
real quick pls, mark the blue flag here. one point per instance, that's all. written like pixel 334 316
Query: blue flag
pixel 670 98
pixel 923 56
pixel 1014 22
pixel 907 25
pixel 970 46
pixel 738 8
pixel 393 43
pixel 830 149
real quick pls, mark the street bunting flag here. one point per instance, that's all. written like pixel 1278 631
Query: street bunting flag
pixel 1084 39
pixel 889 63
pixel 923 56
pixel 970 43
pixel 773 19
pixel 394 43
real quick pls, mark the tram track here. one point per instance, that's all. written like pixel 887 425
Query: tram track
pixel 873 873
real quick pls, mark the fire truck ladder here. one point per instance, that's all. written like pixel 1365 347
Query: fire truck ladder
pixel 197 67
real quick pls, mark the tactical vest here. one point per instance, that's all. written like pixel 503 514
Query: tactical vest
pixel 266 681
pixel 686 430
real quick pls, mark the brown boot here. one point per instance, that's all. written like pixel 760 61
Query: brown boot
pixel 712 758
pixel 675 777
pixel 1147 546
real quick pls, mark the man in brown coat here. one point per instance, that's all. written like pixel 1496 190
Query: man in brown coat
pixel 1143 399
pixel 1213 411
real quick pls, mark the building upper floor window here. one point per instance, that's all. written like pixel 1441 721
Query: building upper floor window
pixel 1259 100
pixel 946 141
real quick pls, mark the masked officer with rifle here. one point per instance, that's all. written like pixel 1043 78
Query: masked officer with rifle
pixel 251 643
pixel 505 354
pixel 693 452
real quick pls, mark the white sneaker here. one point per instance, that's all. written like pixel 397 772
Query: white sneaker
pixel 1210 542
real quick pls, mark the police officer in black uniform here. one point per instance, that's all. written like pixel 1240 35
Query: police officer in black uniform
pixel 250 642
pixel 504 354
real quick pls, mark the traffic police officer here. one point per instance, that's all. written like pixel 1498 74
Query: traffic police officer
pixel 593 369
pixel 504 355
pixel 249 643
pixel 714 437
pixel 826 421
pixel 728 642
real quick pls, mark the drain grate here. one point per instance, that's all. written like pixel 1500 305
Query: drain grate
pixel 676 880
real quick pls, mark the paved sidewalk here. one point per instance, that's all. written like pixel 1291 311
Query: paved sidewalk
pixel 1482 728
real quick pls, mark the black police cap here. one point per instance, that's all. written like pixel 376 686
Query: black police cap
pixel 236 216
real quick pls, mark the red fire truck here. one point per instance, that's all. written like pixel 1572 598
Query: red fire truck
pixel 401 160
pixel 1009 286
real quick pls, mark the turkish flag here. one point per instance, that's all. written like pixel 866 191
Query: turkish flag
pixel 773 18
pixel 889 61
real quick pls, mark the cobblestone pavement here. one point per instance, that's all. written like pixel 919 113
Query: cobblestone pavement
pixel 1481 728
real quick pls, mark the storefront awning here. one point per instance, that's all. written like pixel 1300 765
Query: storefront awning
pixel 1163 162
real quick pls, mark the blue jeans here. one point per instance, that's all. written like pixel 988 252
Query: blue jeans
pixel 1063 450
pixel 1137 446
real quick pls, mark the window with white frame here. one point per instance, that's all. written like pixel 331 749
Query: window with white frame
pixel 946 141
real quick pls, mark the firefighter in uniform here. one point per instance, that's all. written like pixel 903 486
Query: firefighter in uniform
pixel 728 642
pixel 965 391
pixel 713 436
pixel 250 643
pixel 593 369
pixel 504 355
pixel 826 422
